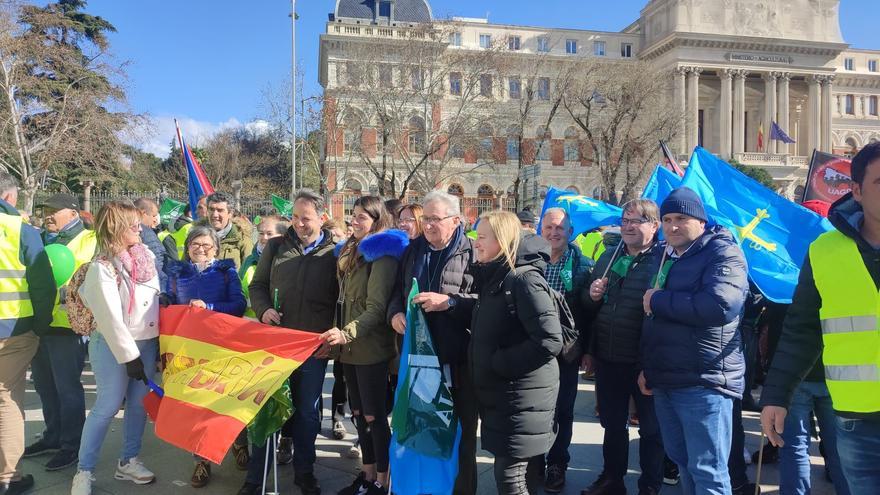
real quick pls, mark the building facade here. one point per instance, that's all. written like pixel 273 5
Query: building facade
pixel 737 67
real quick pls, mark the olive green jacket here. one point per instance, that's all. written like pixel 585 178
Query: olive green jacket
pixel 365 286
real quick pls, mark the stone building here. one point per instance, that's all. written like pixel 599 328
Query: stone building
pixel 737 66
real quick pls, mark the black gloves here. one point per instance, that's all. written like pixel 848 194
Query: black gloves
pixel 135 370
pixel 164 300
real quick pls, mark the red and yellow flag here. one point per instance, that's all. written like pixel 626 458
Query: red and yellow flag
pixel 219 371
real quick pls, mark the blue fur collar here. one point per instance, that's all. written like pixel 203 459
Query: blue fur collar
pixel 388 243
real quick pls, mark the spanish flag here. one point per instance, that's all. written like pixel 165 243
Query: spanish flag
pixel 219 371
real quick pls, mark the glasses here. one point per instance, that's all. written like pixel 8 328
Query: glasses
pixel 406 220
pixel 135 228
pixel 434 220
pixel 635 222
pixel 203 247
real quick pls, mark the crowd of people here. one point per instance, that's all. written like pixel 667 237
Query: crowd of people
pixel 662 315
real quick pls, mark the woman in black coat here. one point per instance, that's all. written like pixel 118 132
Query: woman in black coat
pixel 513 351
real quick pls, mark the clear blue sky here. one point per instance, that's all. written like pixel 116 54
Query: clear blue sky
pixel 208 62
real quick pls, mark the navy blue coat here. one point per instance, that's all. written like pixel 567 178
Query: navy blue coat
pixel 218 285
pixel 692 338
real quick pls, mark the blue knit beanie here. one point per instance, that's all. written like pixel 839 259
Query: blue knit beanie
pixel 685 201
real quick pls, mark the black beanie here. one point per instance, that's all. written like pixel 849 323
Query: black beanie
pixel 685 201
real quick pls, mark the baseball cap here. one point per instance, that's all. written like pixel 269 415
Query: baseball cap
pixel 60 201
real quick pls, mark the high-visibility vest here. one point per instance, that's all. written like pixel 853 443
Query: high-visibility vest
pixel 246 276
pixel 591 244
pixel 850 330
pixel 83 247
pixel 15 299
pixel 179 237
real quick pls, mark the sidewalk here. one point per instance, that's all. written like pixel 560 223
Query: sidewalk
pixel 334 470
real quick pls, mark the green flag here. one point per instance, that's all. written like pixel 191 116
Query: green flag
pixel 284 207
pixel 170 210
pixel 271 416
pixel 423 417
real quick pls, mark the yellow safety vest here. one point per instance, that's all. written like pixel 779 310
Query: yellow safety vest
pixel 15 299
pixel 246 278
pixel 162 235
pixel 83 247
pixel 591 245
pixel 850 330
pixel 179 237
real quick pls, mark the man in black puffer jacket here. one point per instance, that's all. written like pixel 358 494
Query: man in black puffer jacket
pixel 440 261
pixel 615 300
pixel 691 347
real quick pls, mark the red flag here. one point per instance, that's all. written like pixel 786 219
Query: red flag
pixel 761 137
pixel 669 160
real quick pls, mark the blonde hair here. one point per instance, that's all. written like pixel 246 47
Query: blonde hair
pixel 111 224
pixel 506 227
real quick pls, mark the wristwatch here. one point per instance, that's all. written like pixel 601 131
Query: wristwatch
pixel 451 302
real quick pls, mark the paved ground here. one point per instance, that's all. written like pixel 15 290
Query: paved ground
pixel 173 467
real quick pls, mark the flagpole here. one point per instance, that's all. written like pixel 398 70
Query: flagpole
pixel 293 100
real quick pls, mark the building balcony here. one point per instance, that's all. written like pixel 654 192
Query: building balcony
pixel 771 160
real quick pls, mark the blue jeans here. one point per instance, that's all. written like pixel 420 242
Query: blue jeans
pixel 306 385
pixel 695 423
pixel 615 384
pixel 57 371
pixel 114 385
pixel 794 457
pixel 568 389
pixel 858 444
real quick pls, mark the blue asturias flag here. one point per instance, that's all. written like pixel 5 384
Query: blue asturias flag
pixel 774 233
pixel 585 212
pixel 661 183
pixel 777 134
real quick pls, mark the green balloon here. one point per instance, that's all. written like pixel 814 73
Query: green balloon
pixel 63 262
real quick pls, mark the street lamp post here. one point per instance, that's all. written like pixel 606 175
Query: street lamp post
pixel 293 100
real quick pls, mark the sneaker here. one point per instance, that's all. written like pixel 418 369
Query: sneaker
pixel 17 487
pixel 338 429
pixel 747 489
pixel 357 487
pixel 40 448
pixel 201 474
pixel 605 486
pixel 61 460
pixel 250 489
pixel 285 451
pixel 671 476
pixel 242 456
pixel 307 483
pixel 375 488
pixel 82 483
pixel 354 451
pixel 134 471
pixel 555 479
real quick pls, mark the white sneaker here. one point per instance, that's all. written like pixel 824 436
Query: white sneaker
pixel 82 483
pixel 134 471
pixel 354 451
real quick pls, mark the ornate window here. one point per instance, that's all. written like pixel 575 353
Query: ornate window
pixel 455 190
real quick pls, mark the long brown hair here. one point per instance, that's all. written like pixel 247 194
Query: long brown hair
pixel 382 220
pixel 416 211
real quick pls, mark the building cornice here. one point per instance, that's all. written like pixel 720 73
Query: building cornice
pixel 744 43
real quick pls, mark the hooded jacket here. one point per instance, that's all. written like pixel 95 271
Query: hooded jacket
pixel 366 282
pixel 513 357
pixel 692 337
pixel 800 346
pixel 449 329
pixel 236 246
pixel 217 285
pixel 303 286
pixel 41 283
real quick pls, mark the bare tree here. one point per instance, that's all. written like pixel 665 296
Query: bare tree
pixel 57 93
pixel 624 109
pixel 410 105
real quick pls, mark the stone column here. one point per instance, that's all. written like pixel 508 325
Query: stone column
pixel 814 112
pixel 769 109
pixel 782 112
pixel 739 111
pixel 693 108
pixel 680 74
pixel 827 87
pixel 839 105
pixel 724 112
pixel 860 109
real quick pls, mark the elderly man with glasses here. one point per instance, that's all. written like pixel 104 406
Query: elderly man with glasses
pixel 439 259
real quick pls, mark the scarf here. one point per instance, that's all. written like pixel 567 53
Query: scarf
pixel 140 268
pixel 222 233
